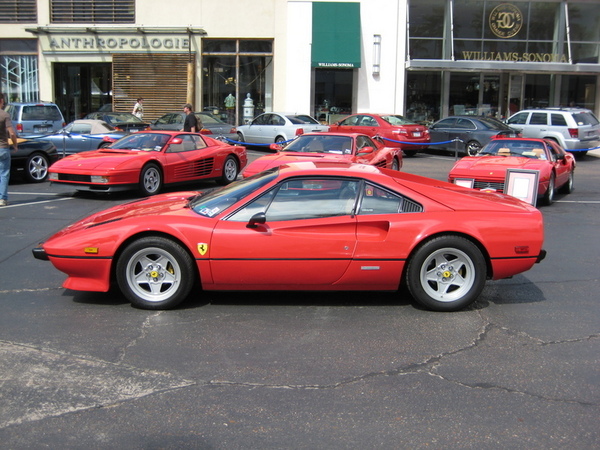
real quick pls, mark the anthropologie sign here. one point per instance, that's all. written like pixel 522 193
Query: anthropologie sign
pixel 111 44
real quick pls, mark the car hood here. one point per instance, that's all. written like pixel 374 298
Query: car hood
pixel 99 159
pixel 280 158
pixel 491 165
pixel 171 203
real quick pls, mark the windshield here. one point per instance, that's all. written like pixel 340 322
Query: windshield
pixel 397 120
pixel 123 118
pixel 298 120
pixel 148 142
pixel 493 124
pixel 217 201
pixel 338 145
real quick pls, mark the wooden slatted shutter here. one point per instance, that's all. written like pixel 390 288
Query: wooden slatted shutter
pixel 160 78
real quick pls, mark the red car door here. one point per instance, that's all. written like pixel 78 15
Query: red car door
pixel 188 160
pixel 562 167
pixel 308 238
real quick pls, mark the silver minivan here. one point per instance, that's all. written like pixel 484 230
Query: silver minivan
pixel 577 130
pixel 35 118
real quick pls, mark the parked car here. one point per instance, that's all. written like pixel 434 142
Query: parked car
pixel 148 161
pixel 34 118
pixel 211 125
pixel 304 227
pixel 473 131
pixel 574 129
pixel 32 159
pixel 352 147
pixel 488 169
pixel 396 130
pixel 120 121
pixel 83 135
pixel 276 127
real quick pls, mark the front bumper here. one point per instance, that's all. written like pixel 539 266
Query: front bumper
pixel 40 253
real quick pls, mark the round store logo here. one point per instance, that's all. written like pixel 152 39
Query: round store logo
pixel 506 20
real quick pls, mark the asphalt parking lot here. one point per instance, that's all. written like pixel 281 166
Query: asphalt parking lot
pixel 297 370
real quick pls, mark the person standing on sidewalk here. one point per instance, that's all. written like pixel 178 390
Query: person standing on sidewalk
pixel 7 132
pixel 190 123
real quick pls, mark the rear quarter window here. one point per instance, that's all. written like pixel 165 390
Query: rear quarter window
pixel 558 120
pixel 585 118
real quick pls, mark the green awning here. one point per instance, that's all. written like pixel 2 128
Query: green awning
pixel 336 35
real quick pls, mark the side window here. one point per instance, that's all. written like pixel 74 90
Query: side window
pixel 368 121
pixel 350 121
pixel 446 123
pixel 81 128
pixel 519 119
pixel 465 124
pixel 375 200
pixel 306 198
pixel 164 119
pixel 364 141
pixel 558 120
pixel 279 121
pixel 539 119
pixel 198 142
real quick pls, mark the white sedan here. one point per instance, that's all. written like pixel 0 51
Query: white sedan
pixel 268 128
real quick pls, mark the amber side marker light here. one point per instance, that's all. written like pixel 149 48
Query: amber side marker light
pixel 91 250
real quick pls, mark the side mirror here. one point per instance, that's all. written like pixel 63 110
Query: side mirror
pixel 257 219
pixel 366 150
pixel 276 147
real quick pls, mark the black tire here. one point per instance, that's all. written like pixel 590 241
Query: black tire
pixel 548 197
pixel 150 180
pixel 155 273
pixel 104 145
pixel 410 152
pixel 472 147
pixel 568 187
pixel 279 139
pixel 446 273
pixel 36 168
pixel 230 171
pixel 395 164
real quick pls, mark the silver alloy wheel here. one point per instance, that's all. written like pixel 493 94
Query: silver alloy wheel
pixel 153 274
pixel 447 274
pixel 230 170
pixel 151 180
pixel 37 168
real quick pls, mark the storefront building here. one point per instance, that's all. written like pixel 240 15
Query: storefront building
pixel 425 59
pixel 494 58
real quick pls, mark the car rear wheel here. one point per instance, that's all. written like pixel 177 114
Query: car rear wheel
pixel 230 171
pixel 37 168
pixel 240 137
pixel 150 180
pixel 446 273
pixel 472 147
pixel 395 164
pixel 279 139
pixel 155 273
pixel 548 198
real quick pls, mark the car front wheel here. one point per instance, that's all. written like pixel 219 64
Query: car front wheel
pixel 568 187
pixel 37 168
pixel 155 273
pixel 473 147
pixel 548 198
pixel 150 180
pixel 446 273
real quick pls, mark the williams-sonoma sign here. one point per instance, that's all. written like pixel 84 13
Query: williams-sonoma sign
pixel 514 56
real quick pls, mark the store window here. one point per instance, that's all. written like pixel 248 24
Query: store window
pixel 19 70
pixel 426 25
pixel 15 11
pixel 237 78
pixel 537 91
pixel 585 33
pixel 578 90
pixel 423 96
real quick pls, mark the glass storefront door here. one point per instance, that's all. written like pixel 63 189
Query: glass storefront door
pixel 475 94
pixel 82 88
pixel 332 94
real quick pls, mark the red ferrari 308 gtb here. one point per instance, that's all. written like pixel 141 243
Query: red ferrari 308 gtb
pixel 304 227
pixel 148 160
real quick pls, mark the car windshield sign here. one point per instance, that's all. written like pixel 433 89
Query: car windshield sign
pixel 217 201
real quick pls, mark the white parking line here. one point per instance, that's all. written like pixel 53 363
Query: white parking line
pixel 35 203
pixel 36 193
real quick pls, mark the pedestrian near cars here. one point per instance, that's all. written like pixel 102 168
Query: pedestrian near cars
pixel 190 123
pixel 7 133
pixel 138 108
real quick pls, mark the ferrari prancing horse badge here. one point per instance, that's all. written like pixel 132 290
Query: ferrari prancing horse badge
pixel 202 248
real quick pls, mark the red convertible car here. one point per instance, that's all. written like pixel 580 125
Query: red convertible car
pixel 351 147
pixel 396 130
pixel 148 160
pixel 487 170
pixel 304 226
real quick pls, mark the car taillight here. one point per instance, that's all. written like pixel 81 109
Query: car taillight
pixel 233 130
pixel 299 131
pixel 205 131
pixel 19 128
pixel 574 132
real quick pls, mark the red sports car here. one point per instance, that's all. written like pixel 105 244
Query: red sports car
pixel 396 130
pixel 351 147
pixel 148 160
pixel 304 226
pixel 487 170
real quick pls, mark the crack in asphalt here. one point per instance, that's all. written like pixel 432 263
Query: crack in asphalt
pixel 142 334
